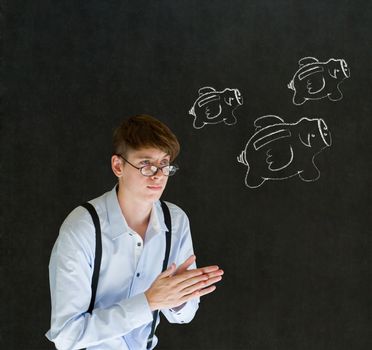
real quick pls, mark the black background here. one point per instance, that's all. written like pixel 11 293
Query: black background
pixel 296 255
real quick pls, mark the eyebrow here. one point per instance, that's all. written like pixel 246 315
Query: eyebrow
pixel 141 157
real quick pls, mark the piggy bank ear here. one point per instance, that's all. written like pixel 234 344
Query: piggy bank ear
pixel 305 138
pixel 228 100
pixel 205 90
pixel 333 72
pixel 267 120
pixel 307 60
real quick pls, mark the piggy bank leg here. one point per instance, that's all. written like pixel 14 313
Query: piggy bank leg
pixel 336 95
pixel 298 100
pixel 253 181
pixel 230 120
pixel 310 174
pixel 198 124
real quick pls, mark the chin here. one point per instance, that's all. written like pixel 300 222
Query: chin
pixel 153 197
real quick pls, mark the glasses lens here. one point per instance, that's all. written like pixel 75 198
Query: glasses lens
pixel 149 170
pixel 171 170
pixel 165 170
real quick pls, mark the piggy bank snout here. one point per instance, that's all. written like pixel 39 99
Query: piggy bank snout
pixel 345 68
pixel 324 132
pixel 238 96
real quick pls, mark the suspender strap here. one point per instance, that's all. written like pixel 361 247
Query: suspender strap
pixel 168 235
pixel 98 253
pixel 168 223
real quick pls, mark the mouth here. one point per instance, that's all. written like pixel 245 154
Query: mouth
pixel 155 188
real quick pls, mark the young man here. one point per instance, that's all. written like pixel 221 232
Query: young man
pixel 131 285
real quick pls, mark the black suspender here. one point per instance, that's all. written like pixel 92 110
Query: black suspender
pixel 168 234
pixel 98 253
pixel 98 257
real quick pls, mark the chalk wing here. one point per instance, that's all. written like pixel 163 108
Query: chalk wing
pixel 279 158
pixel 267 120
pixel 315 85
pixel 307 60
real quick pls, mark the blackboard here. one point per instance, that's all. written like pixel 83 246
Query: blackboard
pixel 296 254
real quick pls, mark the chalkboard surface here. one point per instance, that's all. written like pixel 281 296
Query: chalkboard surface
pixel 271 101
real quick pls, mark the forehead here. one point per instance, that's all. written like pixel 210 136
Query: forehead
pixel 148 153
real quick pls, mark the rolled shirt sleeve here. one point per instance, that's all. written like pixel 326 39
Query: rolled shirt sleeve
pixel 184 314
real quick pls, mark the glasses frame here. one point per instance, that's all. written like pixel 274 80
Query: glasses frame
pixel 175 166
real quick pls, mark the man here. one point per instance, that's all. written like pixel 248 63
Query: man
pixel 131 285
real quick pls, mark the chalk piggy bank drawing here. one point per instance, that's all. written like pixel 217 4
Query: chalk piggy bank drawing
pixel 316 80
pixel 279 150
pixel 212 107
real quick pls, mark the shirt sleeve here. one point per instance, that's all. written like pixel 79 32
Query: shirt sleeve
pixel 187 312
pixel 70 271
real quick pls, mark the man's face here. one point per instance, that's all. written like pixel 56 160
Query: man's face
pixel 144 188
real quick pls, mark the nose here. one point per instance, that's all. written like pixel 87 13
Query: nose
pixel 158 174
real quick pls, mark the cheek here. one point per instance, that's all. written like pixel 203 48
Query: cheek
pixel 133 180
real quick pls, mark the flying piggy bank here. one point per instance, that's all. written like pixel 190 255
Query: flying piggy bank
pixel 316 80
pixel 212 107
pixel 279 150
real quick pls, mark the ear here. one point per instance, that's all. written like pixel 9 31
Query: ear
pixel 117 165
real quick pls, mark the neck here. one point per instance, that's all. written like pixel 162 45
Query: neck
pixel 136 212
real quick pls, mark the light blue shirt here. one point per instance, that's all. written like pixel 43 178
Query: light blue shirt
pixel 121 318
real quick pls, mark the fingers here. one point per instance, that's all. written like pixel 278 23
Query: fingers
pixel 208 269
pixel 191 284
pixel 191 280
pixel 184 275
pixel 206 291
pixel 187 277
pixel 197 283
pixel 198 294
pixel 185 265
pixel 215 273
pixel 175 285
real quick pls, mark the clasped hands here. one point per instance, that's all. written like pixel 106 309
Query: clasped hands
pixel 176 286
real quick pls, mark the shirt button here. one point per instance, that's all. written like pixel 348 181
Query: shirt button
pixel 138 274
pixel 139 244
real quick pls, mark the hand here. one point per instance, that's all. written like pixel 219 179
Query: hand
pixel 211 271
pixel 174 287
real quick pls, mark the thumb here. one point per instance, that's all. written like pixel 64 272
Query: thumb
pixel 169 271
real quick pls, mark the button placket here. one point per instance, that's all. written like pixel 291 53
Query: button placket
pixel 138 248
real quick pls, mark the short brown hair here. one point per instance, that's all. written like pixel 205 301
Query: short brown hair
pixel 144 131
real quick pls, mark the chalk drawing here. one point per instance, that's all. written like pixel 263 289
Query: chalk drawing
pixel 315 80
pixel 213 107
pixel 279 150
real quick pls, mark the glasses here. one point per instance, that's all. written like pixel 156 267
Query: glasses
pixel 151 170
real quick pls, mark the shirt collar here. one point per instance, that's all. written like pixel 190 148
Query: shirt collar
pixel 156 222
pixel 118 224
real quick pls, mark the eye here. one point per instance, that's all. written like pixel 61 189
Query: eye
pixel 144 162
